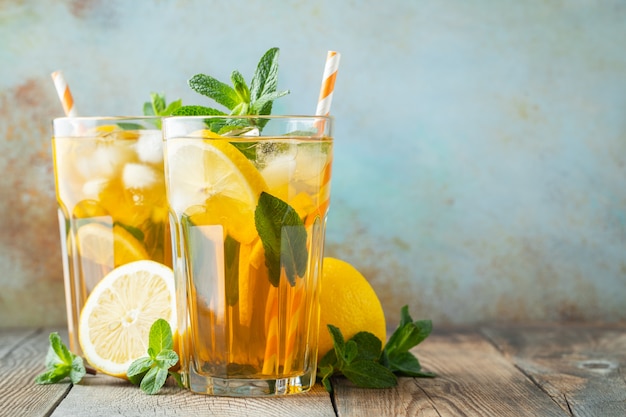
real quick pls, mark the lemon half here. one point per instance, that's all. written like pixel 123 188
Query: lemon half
pixel 115 322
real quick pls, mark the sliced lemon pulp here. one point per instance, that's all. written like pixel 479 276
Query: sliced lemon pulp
pixel 215 175
pixel 115 322
pixel 109 246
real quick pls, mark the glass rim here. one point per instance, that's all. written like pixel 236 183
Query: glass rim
pixel 250 116
pixel 96 118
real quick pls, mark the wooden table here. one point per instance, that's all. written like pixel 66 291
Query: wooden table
pixel 500 370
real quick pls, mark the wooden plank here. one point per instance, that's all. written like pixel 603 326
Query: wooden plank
pixel 406 399
pixel 474 379
pixel 10 338
pixel 103 396
pixel 580 366
pixel 22 360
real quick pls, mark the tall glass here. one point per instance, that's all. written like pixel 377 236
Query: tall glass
pixel 248 201
pixel 111 201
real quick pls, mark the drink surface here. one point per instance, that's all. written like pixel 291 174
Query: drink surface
pixel 112 207
pixel 250 217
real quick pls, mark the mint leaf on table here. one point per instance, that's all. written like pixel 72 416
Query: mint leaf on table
pixel 357 360
pixel 283 235
pixel 396 355
pixel 151 372
pixel 361 360
pixel 61 364
pixel 239 100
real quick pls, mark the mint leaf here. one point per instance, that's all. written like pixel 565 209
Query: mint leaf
pixel 283 235
pixel 61 352
pixel 77 370
pixel 160 337
pixel 261 107
pixel 350 352
pixel 231 270
pixel 265 77
pixel 197 111
pixel 166 359
pixel 396 353
pixel 241 88
pixel 369 346
pixel 171 108
pixel 157 106
pixel 178 379
pixel 154 380
pixel 220 92
pixel 407 364
pixel 150 373
pixel 158 103
pixel 138 369
pixel 338 341
pixel 370 374
pixel 60 363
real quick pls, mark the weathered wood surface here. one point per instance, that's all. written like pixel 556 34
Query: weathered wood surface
pixel 544 370
pixel 582 368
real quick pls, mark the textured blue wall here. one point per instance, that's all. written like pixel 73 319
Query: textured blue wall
pixel 480 169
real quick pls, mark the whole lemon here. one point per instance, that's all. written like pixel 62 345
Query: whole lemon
pixel 347 301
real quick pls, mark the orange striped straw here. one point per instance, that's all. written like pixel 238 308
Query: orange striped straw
pixel 328 83
pixel 63 90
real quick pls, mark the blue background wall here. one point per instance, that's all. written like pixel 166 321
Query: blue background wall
pixel 480 169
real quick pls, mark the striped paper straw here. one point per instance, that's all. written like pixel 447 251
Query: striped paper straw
pixel 328 84
pixel 63 90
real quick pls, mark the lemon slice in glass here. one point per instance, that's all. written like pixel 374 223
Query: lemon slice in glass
pixel 115 322
pixel 109 246
pixel 212 182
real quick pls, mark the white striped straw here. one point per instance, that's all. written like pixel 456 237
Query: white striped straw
pixel 63 91
pixel 328 83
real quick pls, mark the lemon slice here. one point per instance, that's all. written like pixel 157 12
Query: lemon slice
pixel 215 175
pixel 109 246
pixel 115 322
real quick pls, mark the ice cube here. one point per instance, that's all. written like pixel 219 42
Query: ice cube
pixel 150 147
pixel 310 162
pixel 139 176
pixel 93 188
pixel 267 152
pixel 102 159
pixel 279 170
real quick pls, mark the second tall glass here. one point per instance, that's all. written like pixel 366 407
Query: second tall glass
pixel 111 198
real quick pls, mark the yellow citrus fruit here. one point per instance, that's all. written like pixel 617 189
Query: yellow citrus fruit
pixel 109 246
pixel 115 322
pixel 218 183
pixel 348 301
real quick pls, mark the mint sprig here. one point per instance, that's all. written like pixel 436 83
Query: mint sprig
pixel 239 99
pixel 362 361
pixel 61 364
pixel 151 372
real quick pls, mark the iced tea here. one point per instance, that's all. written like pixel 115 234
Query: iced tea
pixel 249 212
pixel 111 201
